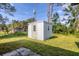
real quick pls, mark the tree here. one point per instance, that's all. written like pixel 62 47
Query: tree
pixel 25 23
pixel 3 22
pixel 55 17
pixel 30 20
pixel 72 12
pixel 7 8
pixel 15 24
pixel 21 24
pixel 50 11
pixel 54 20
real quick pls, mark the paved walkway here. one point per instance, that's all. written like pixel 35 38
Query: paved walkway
pixel 21 52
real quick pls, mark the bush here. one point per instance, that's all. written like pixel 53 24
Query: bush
pixel 20 33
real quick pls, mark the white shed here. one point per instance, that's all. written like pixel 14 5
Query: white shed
pixel 39 30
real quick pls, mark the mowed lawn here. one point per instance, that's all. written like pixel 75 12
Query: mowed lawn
pixel 58 45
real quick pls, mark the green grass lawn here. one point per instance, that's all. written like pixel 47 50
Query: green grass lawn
pixel 57 45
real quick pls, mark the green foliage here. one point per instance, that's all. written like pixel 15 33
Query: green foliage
pixel 55 17
pixel 73 11
pixel 3 25
pixel 72 21
pixel 11 35
pixel 21 24
pixel 59 28
pixel 30 20
pixel 7 8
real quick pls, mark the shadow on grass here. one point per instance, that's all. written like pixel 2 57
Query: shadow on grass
pixel 13 35
pixel 53 37
pixel 39 48
pixel 77 43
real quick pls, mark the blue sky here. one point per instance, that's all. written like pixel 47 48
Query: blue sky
pixel 25 11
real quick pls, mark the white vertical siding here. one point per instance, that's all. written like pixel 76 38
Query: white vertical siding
pixel 41 32
pixel 29 30
pixel 47 33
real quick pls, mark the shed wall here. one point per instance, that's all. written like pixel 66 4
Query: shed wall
pixel 41 32
pixel 47 33
pixel 30 30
